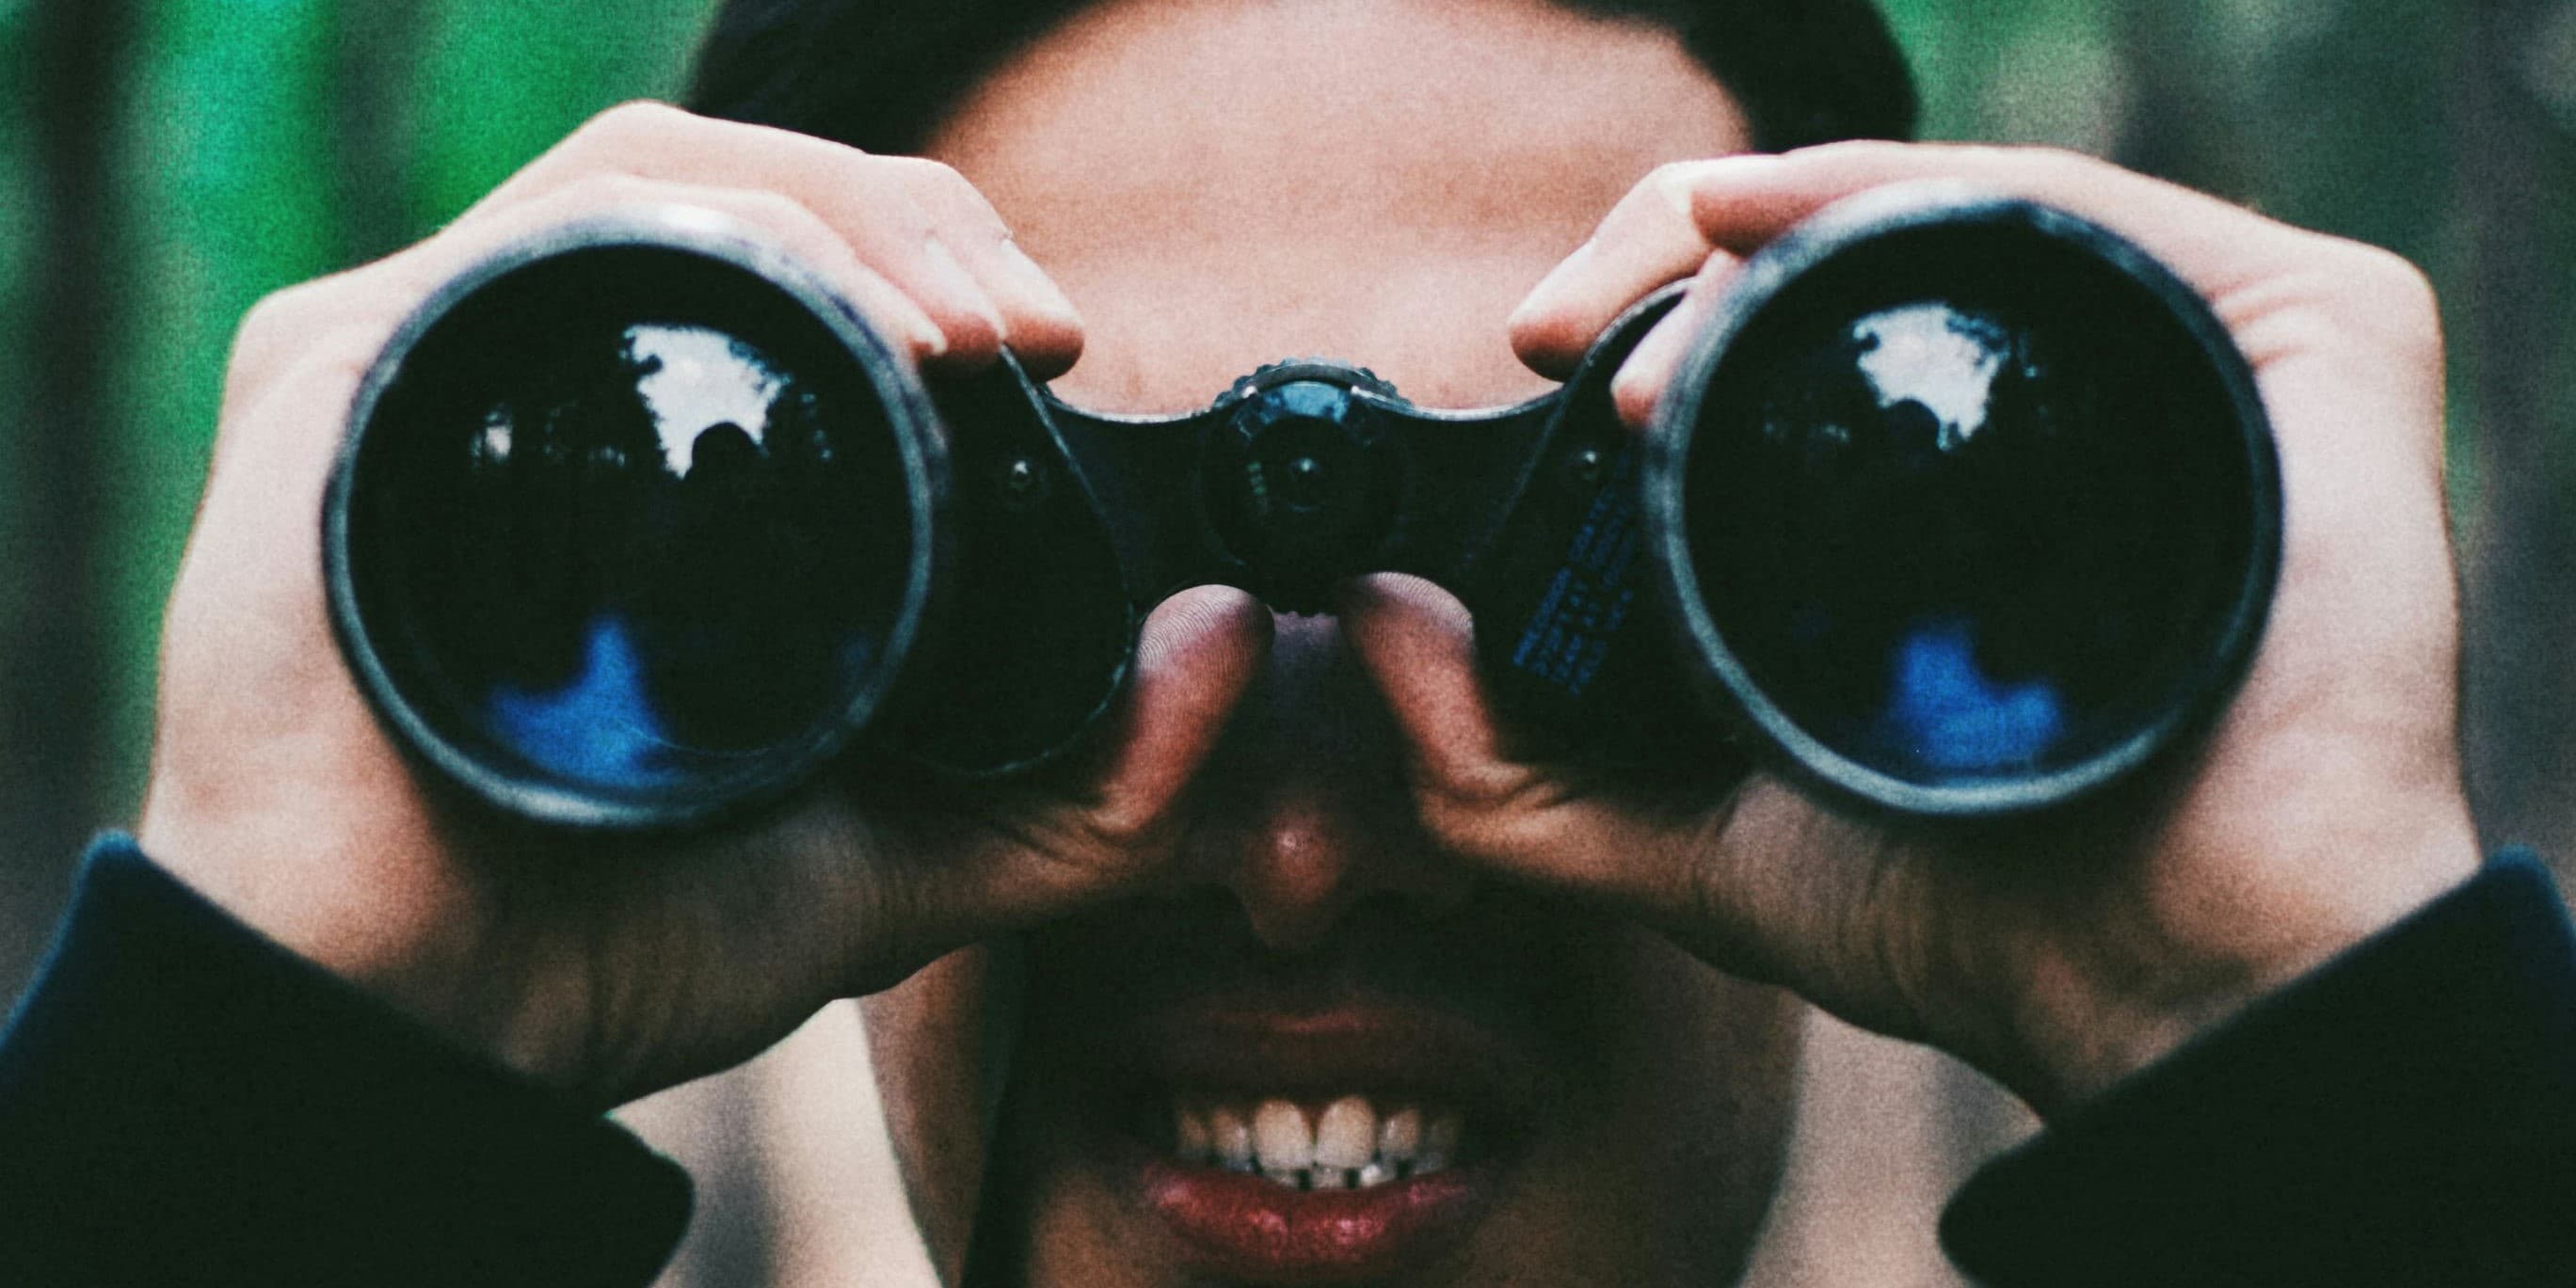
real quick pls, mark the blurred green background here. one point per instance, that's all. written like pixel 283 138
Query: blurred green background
pixel 164 165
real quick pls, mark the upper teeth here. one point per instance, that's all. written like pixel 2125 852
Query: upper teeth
pixel 1347 1145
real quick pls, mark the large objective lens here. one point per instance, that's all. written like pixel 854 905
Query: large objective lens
pixel 631 535
pixel 1977 511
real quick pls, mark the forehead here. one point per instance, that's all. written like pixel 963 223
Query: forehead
pixel 1221 185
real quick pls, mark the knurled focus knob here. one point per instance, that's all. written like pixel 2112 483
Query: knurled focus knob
pixel 1300 479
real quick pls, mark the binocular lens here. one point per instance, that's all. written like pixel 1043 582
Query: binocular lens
pixel 631 526
pixel 1979 512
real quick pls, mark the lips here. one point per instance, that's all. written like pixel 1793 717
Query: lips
pixel 1248 1229
pixel 1278 1144
pixel 1141 1014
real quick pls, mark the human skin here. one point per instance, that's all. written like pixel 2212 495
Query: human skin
pixel 1462 151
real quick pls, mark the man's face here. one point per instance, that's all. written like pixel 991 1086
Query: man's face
pixel 1220 186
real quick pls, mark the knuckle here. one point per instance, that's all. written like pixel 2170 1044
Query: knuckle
pixel 332 355
pixel 1451 821
pixel 279 321
pixel 946 194
pixel 2397 283
pixel 1459 809
pixel 921 170
pixel 274 314
pixel 1121 823
pixel 2057 157
pixel 2365 290
pixel 630 122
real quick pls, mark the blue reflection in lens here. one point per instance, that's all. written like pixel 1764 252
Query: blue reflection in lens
pixel 1955 717
pixel 600 727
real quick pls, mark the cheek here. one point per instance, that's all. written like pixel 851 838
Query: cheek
pixel 925 1044
pixel 1717 1095
pixel 1675 1150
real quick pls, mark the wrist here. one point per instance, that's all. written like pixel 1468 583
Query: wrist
pixel 369 895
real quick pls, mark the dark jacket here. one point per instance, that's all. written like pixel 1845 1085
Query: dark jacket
pixel 182 1102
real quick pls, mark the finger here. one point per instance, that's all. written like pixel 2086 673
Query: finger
pixel 932 869
pixel 869 201
pixel 1742 203
pixel 1649 370
pixel 1198 653
pixel 1418 645
pixel 1040 324
pixel 1532 822
pixel 1650 238
pixel 376 297
pixel 1735 205
pixel 1049 852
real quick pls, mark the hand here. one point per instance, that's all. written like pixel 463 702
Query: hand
pixel 612 966
pixel 2061 953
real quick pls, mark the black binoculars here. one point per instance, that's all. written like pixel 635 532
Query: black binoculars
pixel 1960 505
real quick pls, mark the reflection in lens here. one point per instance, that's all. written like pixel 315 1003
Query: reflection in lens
pixel 1969 508
pixel 631 525
pixel 601 727
pixel 1956 717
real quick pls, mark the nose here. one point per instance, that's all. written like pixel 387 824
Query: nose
pixel 1305 812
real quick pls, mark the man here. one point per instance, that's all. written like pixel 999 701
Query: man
pixel 1301 877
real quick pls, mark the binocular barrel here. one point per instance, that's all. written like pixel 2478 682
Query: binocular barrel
pixel 1960 506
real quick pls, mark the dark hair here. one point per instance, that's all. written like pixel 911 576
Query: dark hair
pixel 881 74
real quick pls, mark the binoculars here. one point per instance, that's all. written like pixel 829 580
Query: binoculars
pixel 1959 506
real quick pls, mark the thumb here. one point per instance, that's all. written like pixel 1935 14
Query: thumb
pixel 1746 882
pixel 1198 652
pixel 1100 826
pixel 1418 644
pixel 1554 825
pixel 938 864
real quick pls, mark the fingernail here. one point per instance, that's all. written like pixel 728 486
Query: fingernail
pixel 929 341
pixel 1050 297
pixel 954 278
pixel 1641 380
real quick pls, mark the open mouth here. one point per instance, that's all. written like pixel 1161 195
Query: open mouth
pixel 1354 1144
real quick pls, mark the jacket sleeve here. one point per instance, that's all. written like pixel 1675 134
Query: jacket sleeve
pixel 183 1102
pixel 2405 1116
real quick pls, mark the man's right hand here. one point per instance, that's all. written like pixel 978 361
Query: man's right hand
pixel 613 966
